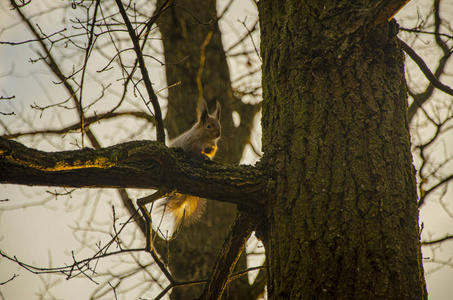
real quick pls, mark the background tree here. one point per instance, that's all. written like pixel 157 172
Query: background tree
pixel 205 84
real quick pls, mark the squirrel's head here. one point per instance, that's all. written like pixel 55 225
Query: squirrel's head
pixel 210 124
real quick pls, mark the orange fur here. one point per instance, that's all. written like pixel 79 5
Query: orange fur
pixel 185 208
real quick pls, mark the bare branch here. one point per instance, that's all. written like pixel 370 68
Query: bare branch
pixel 231 251
pixel 251 38
pixel 241 40
pixel 55 68
pixel 46 37
pixel 146 30
pixel 424 68
pixel 121 165
pixel 385 10
pixel 148 84
pixel 433 188
pixel 421 98
pixel 88 121
pixel 11 279
pixel 446 238
pixel 67 270
pixel 127 202
pixel 416 30
pixel 84 68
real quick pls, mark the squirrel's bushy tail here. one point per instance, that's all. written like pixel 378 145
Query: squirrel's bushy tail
pixel 199 141
pixel 178 209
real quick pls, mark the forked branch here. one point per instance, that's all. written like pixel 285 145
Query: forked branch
pixel 424 68
pixel 148 84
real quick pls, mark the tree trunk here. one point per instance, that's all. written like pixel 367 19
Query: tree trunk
pixel 343 219
pixel 188 42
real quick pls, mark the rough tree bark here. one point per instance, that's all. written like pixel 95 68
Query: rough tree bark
pixel 342 217
pixel 120 165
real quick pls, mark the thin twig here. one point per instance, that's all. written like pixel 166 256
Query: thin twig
pixel 251 38
pixel 446 238
pixel 46 37
pixel 12 278
pixel 84 68
pixel 160 131
pixel 88 121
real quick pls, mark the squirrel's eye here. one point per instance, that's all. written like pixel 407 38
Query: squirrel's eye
pixel 209 126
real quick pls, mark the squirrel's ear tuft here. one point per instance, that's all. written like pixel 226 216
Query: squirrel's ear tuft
pixel 202 111
pixel 217 111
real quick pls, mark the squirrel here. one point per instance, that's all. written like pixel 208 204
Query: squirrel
pixel 199 141
pixel 202 138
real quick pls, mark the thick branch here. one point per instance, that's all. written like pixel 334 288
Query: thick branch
pixel 424 68
pixel 231 251
pixel 137 164
pixel 420 99
pixel 385 10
